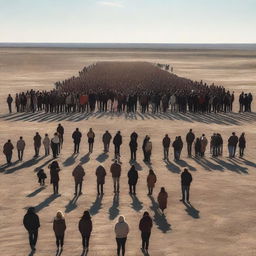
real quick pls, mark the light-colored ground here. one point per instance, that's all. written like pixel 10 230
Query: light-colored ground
pixel 222 193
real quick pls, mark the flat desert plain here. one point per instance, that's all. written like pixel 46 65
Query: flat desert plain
pixel 222 220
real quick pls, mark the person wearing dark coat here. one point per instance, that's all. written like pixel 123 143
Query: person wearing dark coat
pixel 7 150
pixel 31 223
pixel 133 148
pixel 177 146
pixel 166 145
pixel 115 169
pixel 197 147
pixel 78 174
pixel 9 102
pixel 186 179
pixel 145 227
pixel 54 172
pixel 20 148
pixel 41 177
pixel 106 138
pixel 60 131
pixel 162 199
pixel 132 179
pixel 117 141
pixel 100 174
pixel 242 144
pixel 145 141
pixel 134 136
pixel 85 228
pixel 151 181
pixel 232 143
pixel 59 227
pixel 37 144
pixel 190 139
pixel 76 136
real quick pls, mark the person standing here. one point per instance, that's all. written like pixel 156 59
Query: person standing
pixel 190 139
pixel 186 179
pixel 145 227
pixel 132 180
pixel 134 136
pixel 151 181
pixel 117 141
pixel 204 143
pixel 162 199
pixel 41 177
pixel 31 223
pixel 133 148
pixel 54 172
pixel 115 169
pixel 85 228
pixel 121 231
pixel 55 142
pixel 78 174
pixel 46 143
pixel 77 135
pixel 166 145
pixel 144 146
pixel 100 174
pixel 37 144
pixel 242 144
pixel 90 136
pixel 59 227
pixel 20 148
pixel 148 150
pixel 60 131
pixel 232 143
pixel 7 149
pixel 106 138
pixel 9 102
pixel 177 147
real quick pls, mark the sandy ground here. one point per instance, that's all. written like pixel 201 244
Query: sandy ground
pixel 222 220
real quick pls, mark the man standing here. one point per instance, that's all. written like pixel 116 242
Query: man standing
pixel 78 174
pixel 8 148
pixel 9 102
pixel 31 223
pixel 106 138
pixel 190 139
pixel 20 148
pixel 133 148
pixel 145 227
pixel 117 141
pixel 115 169
pixel 232 143
pixel 166 145
pixel 186 179
pixel 60 131
pixel 37 144
pixel 100 174
pixel 77 135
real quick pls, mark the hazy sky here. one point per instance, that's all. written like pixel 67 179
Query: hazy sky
pixel 131 21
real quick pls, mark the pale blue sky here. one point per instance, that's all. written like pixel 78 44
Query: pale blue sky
pixel 128 21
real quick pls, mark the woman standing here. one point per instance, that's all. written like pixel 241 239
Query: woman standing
pixel 151 181
pixel 90 136
pixel 59 227
pixel 162 199
pixel 121 230
pixel 242 144
pixel 85 228
pixel 132 180
pixel 54 172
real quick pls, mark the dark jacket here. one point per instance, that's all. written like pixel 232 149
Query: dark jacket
pixel 133 145
pixel 8 147
pixel 100 173
pixel 115 169
pixel 132 176
pixel 54 172
pixel 186 178
pixel 31 221
pixel 85 227
pixel 59 226
pixel 37 140
pixel 190 137
pixel 60 130
pixel 106 138
pixel 242 142
pixel 166 142
pixel 117 141
pixel 145 224
pixel 78 174
pixel 77 136
pixel 233 140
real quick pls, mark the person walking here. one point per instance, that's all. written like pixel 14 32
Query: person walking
pixel 133 148
pixel 115 169
pixel 117 141
pixel 186 179
pixel 121 231
pixel 9 102
pixel 20 148
pixel 162 199
pixel 151 181
pixel 46 143
pixel 132 180
pixel 31 223
pixel 55 142
pixel 145 227
pixel 37 144
pixel 106 138
pixel 90 136
pixel 78 174
pixel 190 139
pixel 59 227
pixel 77 135
pixel 60 130
pixel 100 174
pixel 242 144
pixel 166 145
pixel 232 143
pixel 54 173
pixel 7 150
pixel 85 227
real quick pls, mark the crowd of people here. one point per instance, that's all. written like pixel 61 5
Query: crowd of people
pixel 122 87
